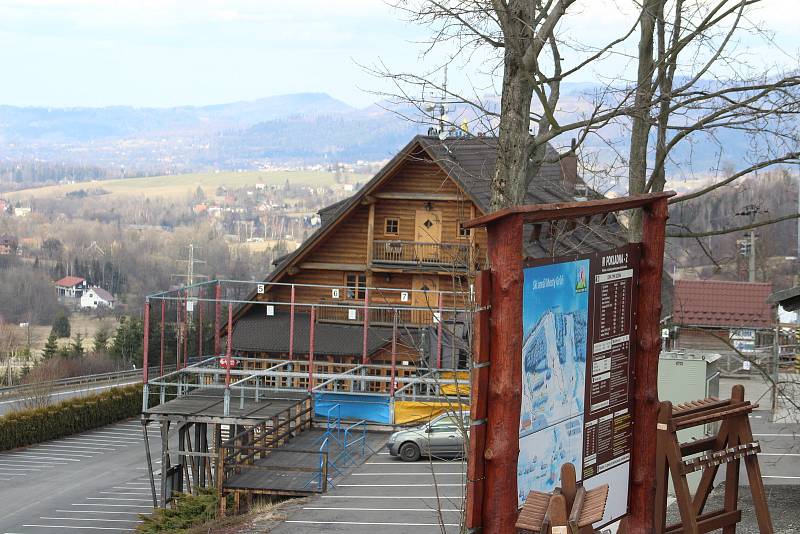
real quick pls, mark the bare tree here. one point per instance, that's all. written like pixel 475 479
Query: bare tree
pixel 692 83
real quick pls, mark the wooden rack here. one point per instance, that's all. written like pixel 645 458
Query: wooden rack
pixel 732 444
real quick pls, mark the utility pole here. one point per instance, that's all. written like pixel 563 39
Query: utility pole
pixel 750 211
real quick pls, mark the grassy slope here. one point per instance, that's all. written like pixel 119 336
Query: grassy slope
pixel 182 184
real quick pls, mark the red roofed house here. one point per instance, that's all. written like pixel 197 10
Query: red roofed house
pixel 704 312
pixel 71 287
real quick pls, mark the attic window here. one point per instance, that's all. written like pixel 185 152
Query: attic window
pixel 392 227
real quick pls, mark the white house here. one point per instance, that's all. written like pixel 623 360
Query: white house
pixel 96 297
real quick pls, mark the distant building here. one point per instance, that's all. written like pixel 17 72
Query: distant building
pixel 22 212
pixel 711 315
pixel 97 297
pixel 71 287
pixel 8 245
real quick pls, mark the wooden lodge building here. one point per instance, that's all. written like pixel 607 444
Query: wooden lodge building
pixel 398 244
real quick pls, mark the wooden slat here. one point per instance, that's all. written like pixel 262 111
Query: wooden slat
pixel 569 210
pixel 594 506
pixel 533 511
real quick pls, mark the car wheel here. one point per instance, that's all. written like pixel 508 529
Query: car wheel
pixel 409 452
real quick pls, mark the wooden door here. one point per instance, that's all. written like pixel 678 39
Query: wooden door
pixel 425 297
pixel 427 234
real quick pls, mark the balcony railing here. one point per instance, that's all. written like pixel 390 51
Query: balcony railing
pixel 417 253
pixel 354 313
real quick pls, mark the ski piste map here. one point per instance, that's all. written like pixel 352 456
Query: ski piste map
pixel 577 316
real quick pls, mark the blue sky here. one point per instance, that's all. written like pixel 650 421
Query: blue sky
pixel 173 52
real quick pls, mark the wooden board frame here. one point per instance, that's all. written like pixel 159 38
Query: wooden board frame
pixel 492 464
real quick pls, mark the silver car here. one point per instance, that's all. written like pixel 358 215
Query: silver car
pixel 443 437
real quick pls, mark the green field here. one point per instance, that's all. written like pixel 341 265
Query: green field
pixel 181 184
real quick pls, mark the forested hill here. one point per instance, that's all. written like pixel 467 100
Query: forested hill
pixel 774 193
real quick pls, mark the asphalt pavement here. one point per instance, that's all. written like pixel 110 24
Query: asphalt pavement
pixel 89 482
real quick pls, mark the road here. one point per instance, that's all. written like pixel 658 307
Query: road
pixel 89 482
pixel 9 405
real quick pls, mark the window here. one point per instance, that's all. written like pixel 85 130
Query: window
pixel 463 233
pixel 392 227
pixel 446 424
pixel 356 284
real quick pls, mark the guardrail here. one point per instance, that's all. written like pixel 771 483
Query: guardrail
pixel 114 376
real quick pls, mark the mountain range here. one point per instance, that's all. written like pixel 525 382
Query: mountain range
pixel 287 130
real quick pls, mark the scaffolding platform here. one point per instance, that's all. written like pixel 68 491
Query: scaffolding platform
pixel 208 405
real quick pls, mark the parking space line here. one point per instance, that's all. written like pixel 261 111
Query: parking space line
pixel 121 493
pixel 372 523
pixel 60 458
pixel 112 499
pixel 18 468
pixel 390 496
pixel 347 509
pixel 393 485
pixel 407 474
pixel 82 527
pixel 95 441
pixel 114 505
pixel 13 474
pixel 28 462
pixel 781 477
pixel 792 435
pixel 778 454
pixel 91 519
pixel 77 447
pixel 96 512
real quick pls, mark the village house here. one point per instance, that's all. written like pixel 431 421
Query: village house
pixel 398 244
pixel 714 315
pixel 8 245
pixel 71 287
pixel 97 297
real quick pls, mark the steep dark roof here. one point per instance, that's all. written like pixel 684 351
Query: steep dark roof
pixel 257 333
pixel 469 161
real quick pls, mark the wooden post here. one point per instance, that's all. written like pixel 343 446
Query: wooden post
pixel 504 391
pixel 217 311
pixel 186 328
pixel 370 236
pixel 479 384
pixel 645 395
pixel 146 342
pixel 178 342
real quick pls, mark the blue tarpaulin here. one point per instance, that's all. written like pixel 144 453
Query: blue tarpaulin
pixel 373 408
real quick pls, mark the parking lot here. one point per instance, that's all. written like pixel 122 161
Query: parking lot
pixel 93 481
pixel 387 494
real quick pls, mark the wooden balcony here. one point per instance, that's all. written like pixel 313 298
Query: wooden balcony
pixel 353 313
pixel 412 253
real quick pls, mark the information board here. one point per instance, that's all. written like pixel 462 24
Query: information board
pixel 577 353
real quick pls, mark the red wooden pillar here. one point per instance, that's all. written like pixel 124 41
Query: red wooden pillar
pixel 186 328
pixel 163 317
pixel 311 350
pixel 178 330
pixel 291 326
pixel 229 347
pixel 146 342
pixel 439 335
pixel 201 295
pixel 479 383
pixel 394 354
pixel 364 356
pixel 504 391
pixel 645 389
pixel 217 310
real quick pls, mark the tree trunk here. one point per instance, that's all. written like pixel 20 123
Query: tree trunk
pixel 513 145
pixel 640 123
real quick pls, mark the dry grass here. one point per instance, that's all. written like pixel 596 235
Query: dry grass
pixel 180 185
pixel 85 325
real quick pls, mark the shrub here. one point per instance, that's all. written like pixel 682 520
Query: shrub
pixel 19 429
pixel 188 511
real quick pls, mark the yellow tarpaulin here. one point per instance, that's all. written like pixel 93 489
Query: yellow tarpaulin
pixel 419 412
pixel 460 388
